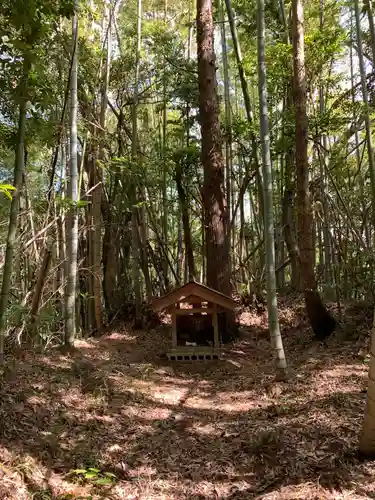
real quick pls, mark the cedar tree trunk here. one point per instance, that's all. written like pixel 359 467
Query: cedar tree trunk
pixel 322 323
pixel 215 210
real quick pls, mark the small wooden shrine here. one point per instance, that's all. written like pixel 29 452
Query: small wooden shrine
pixel 198 321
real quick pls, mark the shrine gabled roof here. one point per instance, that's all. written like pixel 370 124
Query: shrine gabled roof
pixel 198 290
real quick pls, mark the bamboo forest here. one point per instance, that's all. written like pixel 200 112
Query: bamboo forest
pixel 187 221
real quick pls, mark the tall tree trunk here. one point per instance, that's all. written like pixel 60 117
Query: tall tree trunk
pixel 62 230
pixel 227 108
pixel 180 252
pixel 96 233
pixel 165 164
pixel 134 198
pixel 185 222
pixel 19 169
pixel 328 271
pixel 273 319
pixel 247 102
pixel 143 239
pixel 362 70
pixel 288 201
pixel 367 441
pixel 216 217
pixel 72 217
pixel 112 235
pixel 289 227
pixel 321 321
pixel 38 291
pixel 30 213
pixel 110 258
pixel 242 241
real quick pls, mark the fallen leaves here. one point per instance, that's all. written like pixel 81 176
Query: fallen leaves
pixel 222 430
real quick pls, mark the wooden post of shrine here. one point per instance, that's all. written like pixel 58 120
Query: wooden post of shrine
pixel 216 327
pixel 174 328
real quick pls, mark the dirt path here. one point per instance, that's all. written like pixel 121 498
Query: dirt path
pixel 209 431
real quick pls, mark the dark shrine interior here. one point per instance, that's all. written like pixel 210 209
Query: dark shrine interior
pixel 197 328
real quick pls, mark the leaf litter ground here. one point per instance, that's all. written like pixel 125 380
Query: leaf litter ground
pixel 222 430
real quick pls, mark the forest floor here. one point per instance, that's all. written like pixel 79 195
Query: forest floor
pixel 217 430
